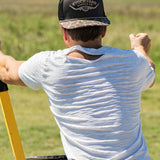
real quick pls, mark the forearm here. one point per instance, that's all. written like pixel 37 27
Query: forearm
pixel 142 43
pixel 9 70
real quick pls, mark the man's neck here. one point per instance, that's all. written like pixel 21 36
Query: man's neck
pixel 89 44
pixel 82 55
pixel 97 43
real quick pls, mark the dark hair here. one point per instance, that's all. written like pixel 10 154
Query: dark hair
pixel 86 33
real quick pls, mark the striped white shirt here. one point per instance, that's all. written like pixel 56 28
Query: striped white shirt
pixel 96 103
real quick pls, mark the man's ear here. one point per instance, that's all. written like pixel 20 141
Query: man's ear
pixel 104 32
pixel 65 34
pixel 66 37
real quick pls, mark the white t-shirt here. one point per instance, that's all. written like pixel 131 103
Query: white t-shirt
pixel 96 103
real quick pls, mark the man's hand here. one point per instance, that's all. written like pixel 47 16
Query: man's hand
pixel 9 69
pixel 140 42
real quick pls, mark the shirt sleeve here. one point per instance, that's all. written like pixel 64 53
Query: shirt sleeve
pixel 149 77
pixel 30 72
pixel 147 72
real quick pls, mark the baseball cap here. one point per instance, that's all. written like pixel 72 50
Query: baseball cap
pixel 82 13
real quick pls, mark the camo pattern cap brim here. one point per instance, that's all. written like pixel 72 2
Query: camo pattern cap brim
pixel 78 23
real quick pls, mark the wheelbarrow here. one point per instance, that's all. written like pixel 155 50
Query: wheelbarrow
pixel 13 130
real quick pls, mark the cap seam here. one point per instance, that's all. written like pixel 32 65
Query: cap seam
pixel 89 18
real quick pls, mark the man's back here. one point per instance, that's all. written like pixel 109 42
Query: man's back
pixel 95 98
pixel 96 103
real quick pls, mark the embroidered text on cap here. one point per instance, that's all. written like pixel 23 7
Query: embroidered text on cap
pixel 84 5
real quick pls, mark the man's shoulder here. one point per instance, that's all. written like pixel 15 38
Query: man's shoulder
pixel 43 55
pixel 117 51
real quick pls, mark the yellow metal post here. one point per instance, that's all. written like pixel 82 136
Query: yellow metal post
pixel 11 123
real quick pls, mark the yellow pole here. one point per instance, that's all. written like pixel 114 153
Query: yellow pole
pixel 11 123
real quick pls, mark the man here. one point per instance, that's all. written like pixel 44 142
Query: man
pixel 94 91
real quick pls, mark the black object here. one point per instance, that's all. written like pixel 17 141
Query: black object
pixel 3 87
pixel 82 13
pixel 56 157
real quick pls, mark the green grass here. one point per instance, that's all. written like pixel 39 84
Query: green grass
pixel 28 27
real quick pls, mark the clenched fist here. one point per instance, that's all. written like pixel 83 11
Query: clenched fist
pixel 140 41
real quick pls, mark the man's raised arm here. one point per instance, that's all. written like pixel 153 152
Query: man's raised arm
pixel 142 43
pixel 9 69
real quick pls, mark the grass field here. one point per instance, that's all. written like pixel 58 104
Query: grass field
pixel 31 26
